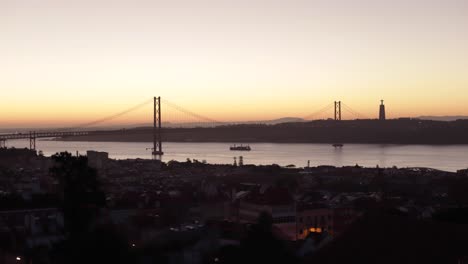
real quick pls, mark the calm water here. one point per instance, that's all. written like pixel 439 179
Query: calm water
pixel 450 158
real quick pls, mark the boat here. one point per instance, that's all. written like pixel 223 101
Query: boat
pixel 337 145
pixel 240 148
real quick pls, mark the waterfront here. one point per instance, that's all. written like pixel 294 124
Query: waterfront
pixel 443 157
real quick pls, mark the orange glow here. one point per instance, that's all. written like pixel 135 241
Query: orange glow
pixel 71 62
pixel 315 230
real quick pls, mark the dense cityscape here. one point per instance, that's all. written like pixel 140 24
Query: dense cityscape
pixel 87 208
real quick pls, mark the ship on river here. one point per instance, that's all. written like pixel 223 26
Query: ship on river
pixel 240 148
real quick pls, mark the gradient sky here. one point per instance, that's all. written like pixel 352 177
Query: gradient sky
pixel 68 62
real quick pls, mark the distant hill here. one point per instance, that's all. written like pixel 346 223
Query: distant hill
pixel 277 121
pixel 205 124
pixel 443 118
pixel 164 124
pixel 395 131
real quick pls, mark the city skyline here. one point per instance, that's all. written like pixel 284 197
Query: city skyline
pixel 66 63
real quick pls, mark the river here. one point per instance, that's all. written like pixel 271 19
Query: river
pixel 443 157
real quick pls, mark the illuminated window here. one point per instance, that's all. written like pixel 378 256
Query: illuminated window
pixel 315 230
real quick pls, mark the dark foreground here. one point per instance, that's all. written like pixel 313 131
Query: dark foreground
pixel 69 209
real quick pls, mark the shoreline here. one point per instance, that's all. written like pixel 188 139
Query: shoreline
pixel 264 154
pixel 77 139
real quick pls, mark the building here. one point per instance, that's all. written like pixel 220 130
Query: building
pixel 13 158
pixel 275 201
pixel 322 219
pixel 24 230
pixel 97 160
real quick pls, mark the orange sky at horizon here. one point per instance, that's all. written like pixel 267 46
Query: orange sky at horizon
pixel 70 62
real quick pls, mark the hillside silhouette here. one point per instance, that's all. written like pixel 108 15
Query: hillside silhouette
pixel 397 131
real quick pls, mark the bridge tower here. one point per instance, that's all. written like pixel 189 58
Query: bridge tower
pixel 32 140
pixel 157 141
pixel 338 110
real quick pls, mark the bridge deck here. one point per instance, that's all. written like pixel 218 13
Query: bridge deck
pixel 42 135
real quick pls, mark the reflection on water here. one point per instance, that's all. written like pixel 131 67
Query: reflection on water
pixel 447 157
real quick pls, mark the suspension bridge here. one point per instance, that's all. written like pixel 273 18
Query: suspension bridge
pixel 178 115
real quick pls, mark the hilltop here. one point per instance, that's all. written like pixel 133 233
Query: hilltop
pixel 397 131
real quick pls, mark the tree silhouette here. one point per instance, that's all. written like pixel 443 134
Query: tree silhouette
pixel 79 192
pixel 262 246
pixel 82 199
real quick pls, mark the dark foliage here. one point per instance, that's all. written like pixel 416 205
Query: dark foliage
pixel 80 192
pixel 260 246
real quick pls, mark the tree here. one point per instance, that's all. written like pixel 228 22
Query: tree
pixel 79 192
pixel 262 246
pixel 457 192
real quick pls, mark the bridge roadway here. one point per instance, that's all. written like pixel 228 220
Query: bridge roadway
pixel 33 135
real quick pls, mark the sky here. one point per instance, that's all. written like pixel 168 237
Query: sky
pixel 70 62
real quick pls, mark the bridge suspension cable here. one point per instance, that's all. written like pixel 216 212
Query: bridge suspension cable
pixel 211 122
pixel 107 118
pixel 205 121
pixel 114 116
pixel 353 112
pixel 319 112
